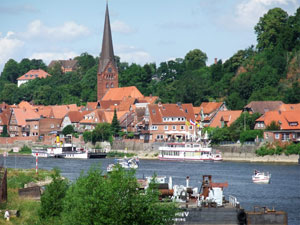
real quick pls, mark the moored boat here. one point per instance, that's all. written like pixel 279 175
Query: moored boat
pixel 190 151
pixel 131 163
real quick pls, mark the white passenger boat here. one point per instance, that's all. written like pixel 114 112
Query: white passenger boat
pixel 261 177
pixel 191 151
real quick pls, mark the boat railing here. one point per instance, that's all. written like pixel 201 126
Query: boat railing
pixel 233 201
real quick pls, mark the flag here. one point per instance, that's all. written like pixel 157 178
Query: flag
pixel 187 123
pixel 192 122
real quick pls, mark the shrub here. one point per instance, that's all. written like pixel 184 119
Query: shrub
pixel 52 198
pixel 250 135
pixel 25 149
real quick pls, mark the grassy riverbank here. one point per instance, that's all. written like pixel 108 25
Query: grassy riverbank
pixel 16 178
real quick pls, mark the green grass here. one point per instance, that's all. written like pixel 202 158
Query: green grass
pixel 16 178
pixel 115 154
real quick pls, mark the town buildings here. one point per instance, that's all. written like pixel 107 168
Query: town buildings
pixel 32 74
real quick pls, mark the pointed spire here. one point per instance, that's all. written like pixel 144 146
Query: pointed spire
pixel 107 52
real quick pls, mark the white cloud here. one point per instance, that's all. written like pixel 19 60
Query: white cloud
pixel 121 27
pixel 9 46
pixel 248 12
pixel 48 56
pixel 69 30
pixel 132 54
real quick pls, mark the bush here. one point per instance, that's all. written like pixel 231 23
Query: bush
pixel 250 135
pixel 87 136
pixel 68 130
pixel 25 149
pixel 278 150
pixel 114 199
pixel 52 198
pixel 119 154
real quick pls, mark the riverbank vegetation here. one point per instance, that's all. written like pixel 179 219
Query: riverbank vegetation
pixel 93 198
pixel 276 149
pixel 16 178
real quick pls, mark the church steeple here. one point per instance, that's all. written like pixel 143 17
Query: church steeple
pixel 107 76
pixel 107 52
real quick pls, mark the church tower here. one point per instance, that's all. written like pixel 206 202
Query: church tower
pixel 107 75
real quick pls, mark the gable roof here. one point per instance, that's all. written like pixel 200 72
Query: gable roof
pixel 67 64
pixel 117 94
pixel 284 118
pixel 158 111
pixel 263 106
pixel 59 111
pixel 75 116
pixel 32 74
pixel 289 107
pixel 227 116
pixel 24 114
pixel 209 107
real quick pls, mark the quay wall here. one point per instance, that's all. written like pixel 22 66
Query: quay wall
pixel 246 153
pixel 234 152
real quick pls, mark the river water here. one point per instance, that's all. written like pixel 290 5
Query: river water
pixel 283 193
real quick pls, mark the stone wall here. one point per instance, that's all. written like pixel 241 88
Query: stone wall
pixel 246 153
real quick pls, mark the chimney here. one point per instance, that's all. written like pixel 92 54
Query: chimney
pixel 216 60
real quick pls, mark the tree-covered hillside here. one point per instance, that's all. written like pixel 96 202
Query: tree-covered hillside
pixel 269 71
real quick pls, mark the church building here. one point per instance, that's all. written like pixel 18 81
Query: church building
pixel 107 74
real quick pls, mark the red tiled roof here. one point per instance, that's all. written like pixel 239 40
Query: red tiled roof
pixel 226 116
pixel 209 107
pixel 289 107
pixel 283 118
pixel 32 74
pixel 75 116
pixel 24 114
pixel 157 112
pixel 59 111
pixel 120 93
pixel 148 99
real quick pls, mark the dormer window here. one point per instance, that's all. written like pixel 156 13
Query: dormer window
pixel 293 123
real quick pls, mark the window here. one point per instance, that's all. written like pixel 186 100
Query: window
pixel 36 126
pixel 276 136
pixel 112 85
pixel 107 85
pixel 181 127
pixel 173 127
pixel 166 128
pixel 154 127
pixel 190 127
pixel 52 125
pixel 165 119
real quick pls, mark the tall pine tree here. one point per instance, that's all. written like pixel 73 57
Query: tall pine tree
pixel 115 125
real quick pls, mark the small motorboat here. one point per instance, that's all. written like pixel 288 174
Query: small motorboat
pixel 131 163
pixel 261 177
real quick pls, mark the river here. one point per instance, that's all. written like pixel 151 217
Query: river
pixel 283 193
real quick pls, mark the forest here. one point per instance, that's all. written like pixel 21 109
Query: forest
pixel 268 71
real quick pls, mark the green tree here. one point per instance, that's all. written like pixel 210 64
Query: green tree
pixel 9 94
pixel 102 132
pixel 115 125
pixel 87 136
pixel 52 198
pixel 195 59
pixel 270 28
pixel 11 71
pixel 114 200
pixel 68 130
pixel 273 126
pixel 4 132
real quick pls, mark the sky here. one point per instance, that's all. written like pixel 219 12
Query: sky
pixel 143 31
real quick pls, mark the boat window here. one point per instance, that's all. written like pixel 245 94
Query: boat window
pixel 196 146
